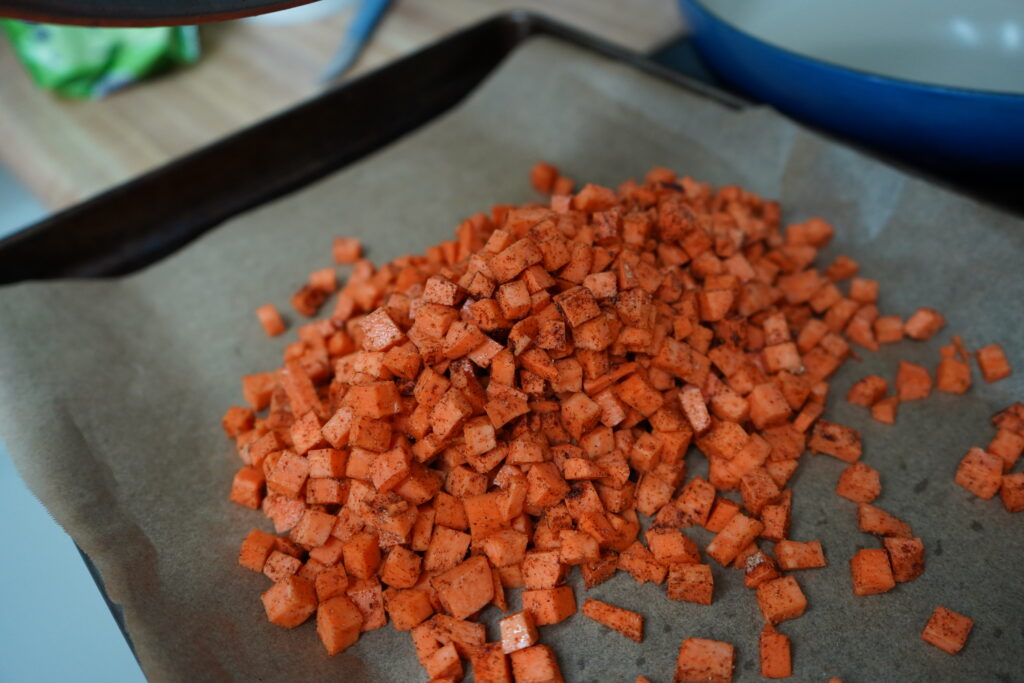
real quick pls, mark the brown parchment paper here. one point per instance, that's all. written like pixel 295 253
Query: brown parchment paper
pixel 111 392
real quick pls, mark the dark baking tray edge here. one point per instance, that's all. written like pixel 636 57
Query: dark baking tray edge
pixel 145 219
pixel 141 221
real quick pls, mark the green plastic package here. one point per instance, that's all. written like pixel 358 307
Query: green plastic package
pixel 89 63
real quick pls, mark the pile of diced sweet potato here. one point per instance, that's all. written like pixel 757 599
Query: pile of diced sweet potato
pixel 509 405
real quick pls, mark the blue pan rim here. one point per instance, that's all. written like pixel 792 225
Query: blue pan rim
pixel 845 70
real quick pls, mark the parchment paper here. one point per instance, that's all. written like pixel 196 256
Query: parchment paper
pixel 111 392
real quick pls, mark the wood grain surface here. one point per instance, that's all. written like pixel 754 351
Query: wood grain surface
pixel 67 150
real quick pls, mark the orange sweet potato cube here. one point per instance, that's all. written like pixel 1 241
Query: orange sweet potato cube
pixel 758 490
pixel 947 630
pixel 577 547
pixel 859 483
pixel 314 528
pixel 466 588
pixel 546 485
pixel 401 568
pixel 1008 445
pixel 906 556
pixel 536 664
pixel 289 602
pixel 380 332
pixel 446 549
pixel 912 382
pixel 1012 492
pixel 549 605
pixel 306 433
pixel 776 661
pixel 799 555
pixel 694 408
pixel 871 572
pixel 367 596
pixel 885 410
pixel 704 661
pixel 691 583
pixel 868 391
pixel 923 324
pixel 641 565
pixel 375 399
pixel 247 487
pixel 835 440
pixel 597 572
pixel 695 501
pixel 980 473
pixel 993 363
pixel 738 533
pixel 270 320
pixel 490 665
pixel 331 582
pixel 629 624
pixel 781 599
pixel 407 608
pixel 888 329
pixel 723 511
pixel 873 520
pixel 505 547
pixel 362 555
pixel 256 548
pixel 288 474
pixel 389 469
pixel 953 376
pixel 346 249
pixel 338 623
pixel 768 406
pixel 671 546
pixel 518 631
pixel 444 664
pixel 579 414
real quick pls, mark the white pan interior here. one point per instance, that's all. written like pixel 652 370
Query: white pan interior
pixel 975 44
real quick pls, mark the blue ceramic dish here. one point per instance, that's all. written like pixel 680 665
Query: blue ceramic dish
pixel 939 82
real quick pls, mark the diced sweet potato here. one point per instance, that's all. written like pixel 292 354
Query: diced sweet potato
pixel 1012 492
pixel 993 363
pixel 536 664
pixel 781 599
pixel 549 605
pixel 290 601
pixel 860 483
pixel 906 556
pixel 797 555
pixel 871 572
pixel 629 624
pixel 704 661
pixel 736 535
pixel 776 661
pixel 518 631
pixel 338 623
pixel 873 520
pixel 256 548
pixel 1008 445
pixel 490 665
pixel 923 324
pixel 912 382
pixel 466 588
pixel 947 630
pixel 980 473
pixel 835 440
pixel 691 583
pixel 868 391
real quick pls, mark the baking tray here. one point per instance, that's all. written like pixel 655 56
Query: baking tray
pixel 143 221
